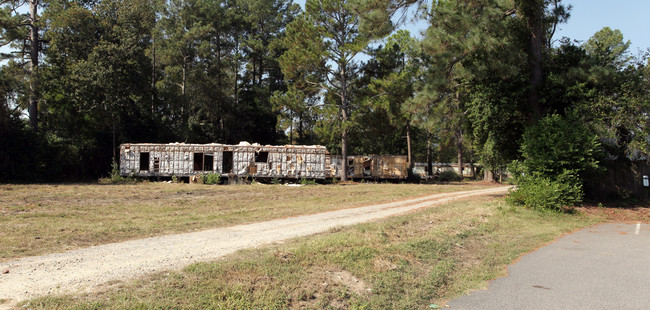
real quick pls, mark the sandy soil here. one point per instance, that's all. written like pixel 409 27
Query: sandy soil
pixel 88 269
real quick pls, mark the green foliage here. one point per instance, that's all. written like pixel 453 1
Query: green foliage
pixel 449 175
pixel 545 193
pixel 305 181
pixel 115 177
pixel 559 151
pixel 608 48
pixel 211 178
pixel 559 144
pixel 204 71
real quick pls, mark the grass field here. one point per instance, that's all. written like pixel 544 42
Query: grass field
pixel 416 261
pixel 40 219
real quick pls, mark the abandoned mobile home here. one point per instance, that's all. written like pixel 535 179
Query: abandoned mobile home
pixel 252 160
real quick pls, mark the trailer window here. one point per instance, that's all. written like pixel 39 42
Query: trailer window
pixel 144 161
pixel 261 157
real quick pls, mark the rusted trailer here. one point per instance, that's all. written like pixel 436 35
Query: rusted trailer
pixel 244 159
pixel 372 166
pixel 253 160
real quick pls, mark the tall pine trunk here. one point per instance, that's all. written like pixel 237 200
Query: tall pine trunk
pixel 459 150
pixel 429 159
pixel 33 68
pixel 488 175
pixel 408 146
pixel 534 11
pixel 153 76
pixel 344 121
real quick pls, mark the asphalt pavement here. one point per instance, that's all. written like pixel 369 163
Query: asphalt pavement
pixel 606 266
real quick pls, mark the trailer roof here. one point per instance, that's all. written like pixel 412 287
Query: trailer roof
pixel 241 144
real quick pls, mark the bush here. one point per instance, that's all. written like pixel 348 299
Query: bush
pixel 211 178
pixel 449 175
pixel 541 192
pixel 305 181
pixel 115 177
pixel 558 152
pixel 560 143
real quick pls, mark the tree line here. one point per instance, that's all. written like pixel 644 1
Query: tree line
pixel 485 83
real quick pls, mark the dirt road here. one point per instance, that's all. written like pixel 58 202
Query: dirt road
pixel 86 269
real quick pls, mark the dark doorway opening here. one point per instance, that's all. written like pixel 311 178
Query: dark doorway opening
pixel 144 161
pixel 208 162
pixel 226 163
pixel 198 161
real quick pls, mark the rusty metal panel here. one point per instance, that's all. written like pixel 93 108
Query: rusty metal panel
pixel 370 167
pixel 392 167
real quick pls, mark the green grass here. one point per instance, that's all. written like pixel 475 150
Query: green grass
pixel 40 219
pixel 405 262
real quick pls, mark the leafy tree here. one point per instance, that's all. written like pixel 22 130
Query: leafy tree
pixel 325 41
pixel 218 62
pixel 393 76
pixel 97 75
pixel 558 151
pixel 458 32
pixel 21 31
pixel 540 18
pixel 264 31
pixel 608 49
pixel 182 34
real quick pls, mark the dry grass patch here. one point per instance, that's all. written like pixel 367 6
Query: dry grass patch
pixel 406 262
pixel 619 212
pixel 39 219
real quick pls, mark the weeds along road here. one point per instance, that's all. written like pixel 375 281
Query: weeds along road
pixel 87 269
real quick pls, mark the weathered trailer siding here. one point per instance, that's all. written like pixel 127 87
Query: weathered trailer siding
pixel 165 160
pixel 371 167
pixel 280 161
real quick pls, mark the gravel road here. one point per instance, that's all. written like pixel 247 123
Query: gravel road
pixel 86 269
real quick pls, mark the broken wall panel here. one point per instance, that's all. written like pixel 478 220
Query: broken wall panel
pixel 370 167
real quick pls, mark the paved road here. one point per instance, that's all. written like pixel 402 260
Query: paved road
pixel 606 266
pixel 86 269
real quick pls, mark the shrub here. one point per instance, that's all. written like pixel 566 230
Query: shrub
pixel 305 181
pixel 541 192
pixel 559 151
pixel 560 143
pixel 115 177
pixel 449 175
pixel 211 178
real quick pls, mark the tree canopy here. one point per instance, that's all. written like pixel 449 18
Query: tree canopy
pixel 79 77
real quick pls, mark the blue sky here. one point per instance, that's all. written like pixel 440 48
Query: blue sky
pixel 631 17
